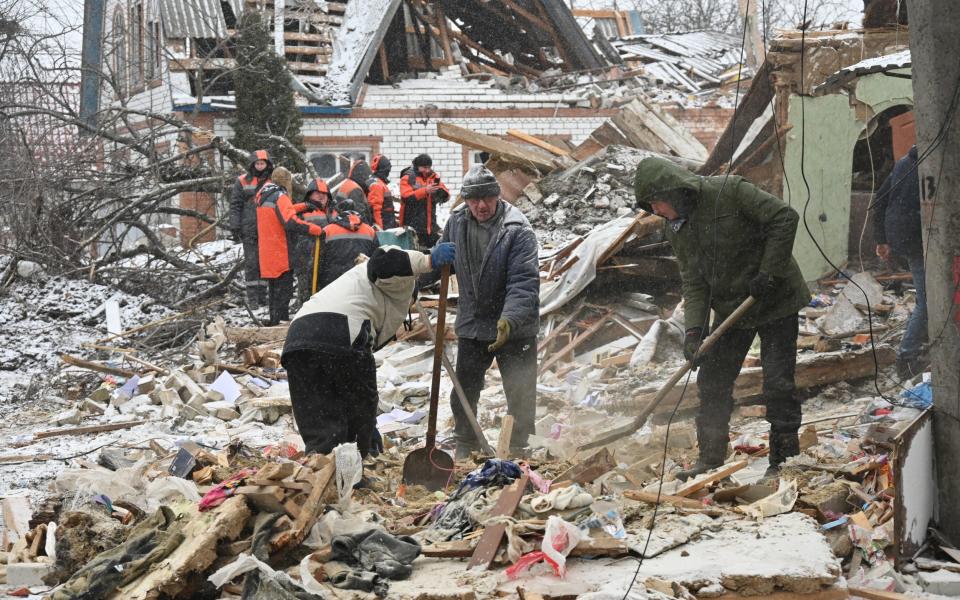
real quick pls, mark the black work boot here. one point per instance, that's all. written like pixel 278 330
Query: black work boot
pixel 713 451
pixel 465 450
pixel 782 447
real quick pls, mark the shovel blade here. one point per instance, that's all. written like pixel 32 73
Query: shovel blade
pixel 430 467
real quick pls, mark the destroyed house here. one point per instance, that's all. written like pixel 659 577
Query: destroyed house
pixel 855 93
pixel 370 77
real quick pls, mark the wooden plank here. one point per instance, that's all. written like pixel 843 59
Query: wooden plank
pixel 669 130
pixel 586 149
pixel 812 370
pixel 489 143
pixel 95 366
pixel 600 546
pixel 308 512
pixel 598 464
pixel 492 537
pixel 85 430
pixel 643 225
pixel 503 442
pixel 254 336
pixel 703 482
pixel 651 498
pixel 557 356
pixel 531 139
pixel 637 133
pixel 202 533
pixel 871 594
pixel 559 329
pixel 608 135
pixel 16 519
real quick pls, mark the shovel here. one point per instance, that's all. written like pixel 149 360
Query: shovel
pixel 428 466
pixel 461 395
pixel 622 432
pixel 316 264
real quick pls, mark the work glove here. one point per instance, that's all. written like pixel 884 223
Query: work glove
pixel 691 344
pixel 235 235
pixel 761 285
pixel 442 254
pixel 503 334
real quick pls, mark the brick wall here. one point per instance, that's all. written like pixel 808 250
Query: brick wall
pixel 706 124
pixel 201 202
pixel 403 138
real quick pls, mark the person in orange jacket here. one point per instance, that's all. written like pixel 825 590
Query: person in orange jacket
pixel 243 222
pixel 318 210
pixel 344 239
pixel 355 188
pixel 276 215
pixel 379 195
pixel 420 192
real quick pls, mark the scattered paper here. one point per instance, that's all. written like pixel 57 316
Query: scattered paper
pixel 226 385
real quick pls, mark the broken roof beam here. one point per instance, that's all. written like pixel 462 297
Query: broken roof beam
pixel 488 143
pixel 754 102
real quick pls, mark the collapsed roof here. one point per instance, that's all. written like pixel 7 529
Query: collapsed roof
pixel 332 48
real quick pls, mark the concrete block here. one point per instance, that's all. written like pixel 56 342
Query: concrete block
pixel 93 407
pixel 68 417
pixel 227 414
pixel 27 574
pixel 130 407
pixel 214 396
pixel 147 384
pixel 942 582
pixel 101 394
pixel 171 411
pixel 191 413
pixel 166 396
pixel 196 402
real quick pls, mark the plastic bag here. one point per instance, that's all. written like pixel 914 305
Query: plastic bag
pixel 559 539
pixel 349 469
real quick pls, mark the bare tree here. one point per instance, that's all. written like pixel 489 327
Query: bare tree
pixel 671 16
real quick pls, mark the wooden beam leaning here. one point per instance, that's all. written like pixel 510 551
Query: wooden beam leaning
pixel 494 145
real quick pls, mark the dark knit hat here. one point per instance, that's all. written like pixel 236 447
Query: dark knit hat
pixel 423 160
pixel 479 182
pixel 386 263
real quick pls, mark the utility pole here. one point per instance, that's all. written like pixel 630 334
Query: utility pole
pixel 935 50
pixel 754 50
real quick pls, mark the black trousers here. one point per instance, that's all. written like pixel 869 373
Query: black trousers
pixel 778 354
pixel 280 291
pixel 517 360
pixel 256 288
pixel 334 397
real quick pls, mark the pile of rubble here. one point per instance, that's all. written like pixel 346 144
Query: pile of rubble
pixel 187 477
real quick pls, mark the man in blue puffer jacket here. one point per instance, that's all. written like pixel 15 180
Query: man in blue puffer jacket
pixel 498 312
pixel 897 229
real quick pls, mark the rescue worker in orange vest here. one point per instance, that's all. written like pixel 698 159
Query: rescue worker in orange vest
pixel 316 209
pixel 379 195
pixel 355 188
pixel 344 239
pixel 276 214
pixel 243 223
pixel 420 192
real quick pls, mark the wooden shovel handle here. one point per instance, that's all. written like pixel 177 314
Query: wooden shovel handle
pixel 438 357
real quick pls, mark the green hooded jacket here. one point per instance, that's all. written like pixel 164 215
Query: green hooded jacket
pixel 734 231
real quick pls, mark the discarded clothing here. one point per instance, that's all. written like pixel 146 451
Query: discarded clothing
pixel 494 472
pixel 224 490
pixel 150 541
pixel 459 517
pixel 378 552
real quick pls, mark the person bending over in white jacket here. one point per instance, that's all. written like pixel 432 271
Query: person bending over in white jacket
pixel 328 353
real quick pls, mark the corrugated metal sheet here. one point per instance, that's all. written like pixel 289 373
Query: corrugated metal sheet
pixel 193 19
pixel 687 60
pixel 879 64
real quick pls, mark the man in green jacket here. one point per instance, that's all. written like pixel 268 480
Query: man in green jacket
pixel 733 240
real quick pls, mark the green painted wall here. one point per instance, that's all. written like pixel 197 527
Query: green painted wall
pixel 832 129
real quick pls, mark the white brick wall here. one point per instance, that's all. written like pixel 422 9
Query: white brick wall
pixel 405 138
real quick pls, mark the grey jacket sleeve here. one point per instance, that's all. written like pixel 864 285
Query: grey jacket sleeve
pixel 521 305
pixel 236 206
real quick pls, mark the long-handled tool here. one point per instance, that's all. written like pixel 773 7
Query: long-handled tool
pixel 621 432
pixel 316 264
pixel 428 466
pixel 458 389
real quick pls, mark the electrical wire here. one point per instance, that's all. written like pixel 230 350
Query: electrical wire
pixel 703 330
